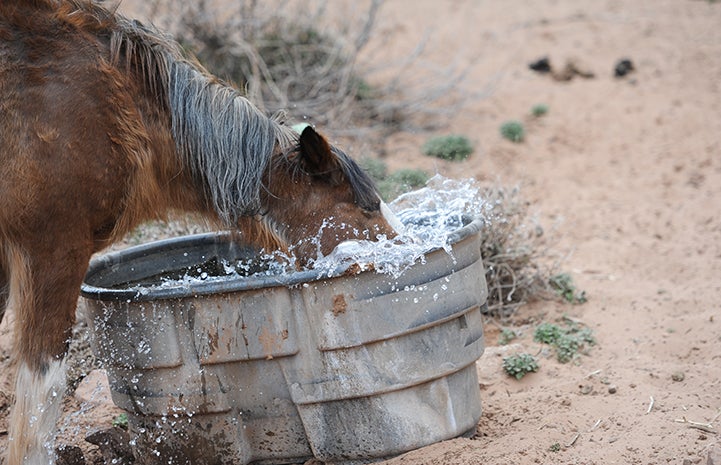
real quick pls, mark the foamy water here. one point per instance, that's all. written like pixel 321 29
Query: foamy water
pixel 428 216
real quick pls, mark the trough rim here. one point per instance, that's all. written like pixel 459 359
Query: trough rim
pixel 227 285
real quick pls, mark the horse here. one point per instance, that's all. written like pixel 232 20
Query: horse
pixel 106 123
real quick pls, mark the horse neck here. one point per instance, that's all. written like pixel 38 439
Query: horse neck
pixel 211 147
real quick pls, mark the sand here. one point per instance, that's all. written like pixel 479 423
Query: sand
pixel 627 173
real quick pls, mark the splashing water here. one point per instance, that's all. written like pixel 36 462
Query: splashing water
pixel 428 216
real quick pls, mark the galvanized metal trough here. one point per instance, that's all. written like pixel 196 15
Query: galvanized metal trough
pixel 351 368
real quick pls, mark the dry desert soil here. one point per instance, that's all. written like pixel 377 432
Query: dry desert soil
pixel 628 172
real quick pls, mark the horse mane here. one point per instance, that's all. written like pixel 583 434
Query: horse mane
pixel 222 138
pixel 214 119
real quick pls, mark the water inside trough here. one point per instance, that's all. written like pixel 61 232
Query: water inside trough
pixel 428 215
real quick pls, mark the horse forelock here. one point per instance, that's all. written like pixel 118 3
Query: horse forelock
pixel 364 189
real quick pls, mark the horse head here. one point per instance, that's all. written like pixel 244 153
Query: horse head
pixel 317 197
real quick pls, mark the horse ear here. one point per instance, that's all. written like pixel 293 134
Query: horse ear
pixel 315 153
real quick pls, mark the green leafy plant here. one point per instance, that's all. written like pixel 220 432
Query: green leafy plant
pixel 392 185
pixel 547 333
pixel 555 447
pixel 520 365
pixel 563 285
pixel 363 90
pixel 451 147
pixel 376 169
pixel 400 182
pixel 506 336
pixel 513 131
pixel 121 421
pixel 567 341
pixel 410 178
pixel 567 347
pixel 539 110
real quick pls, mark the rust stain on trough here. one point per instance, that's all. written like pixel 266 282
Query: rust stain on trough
pixel 339 304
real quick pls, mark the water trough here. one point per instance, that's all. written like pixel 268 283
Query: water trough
pixel 268 369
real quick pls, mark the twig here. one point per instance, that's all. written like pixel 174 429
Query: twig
pixel 573 441
pixel 650 405
pixel 718 414
pixel 593 373
pixel 707 427
pixel 595 425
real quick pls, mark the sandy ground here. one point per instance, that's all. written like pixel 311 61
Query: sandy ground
pixel 629 172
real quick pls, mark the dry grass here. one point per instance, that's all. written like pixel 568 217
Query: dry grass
pixel 515 251
pixel 305 59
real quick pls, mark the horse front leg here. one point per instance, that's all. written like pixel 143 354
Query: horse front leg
pixel 43 293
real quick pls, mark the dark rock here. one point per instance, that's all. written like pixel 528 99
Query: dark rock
pixel 69 455
pixel 623 67
pixel 541 65
pixel 114 444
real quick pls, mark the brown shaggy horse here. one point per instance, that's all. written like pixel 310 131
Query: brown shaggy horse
pixel 104 124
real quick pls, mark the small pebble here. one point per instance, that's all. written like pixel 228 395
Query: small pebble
pixel 541 65
pixel 69 455
pixel 678 376
pixel 612 389
pixel 623 67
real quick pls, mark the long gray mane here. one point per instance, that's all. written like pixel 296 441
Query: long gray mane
pixel 223 139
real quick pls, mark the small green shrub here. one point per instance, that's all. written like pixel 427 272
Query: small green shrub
pixel 363 90
pixel 121 421
pixel 451 147
pixel 506 336
pixel 513 131
pixel 567 347
pixel 547 333
pixel 392 185
pixel 567 341
pixel 520 365
pixel 539 110
pixel 555 447
pixel 563 285
pixel 375 168
pixel 400 182
pixel 410 178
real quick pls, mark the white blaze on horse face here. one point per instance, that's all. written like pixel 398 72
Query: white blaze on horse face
pixel 36 410
pixel 391 218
